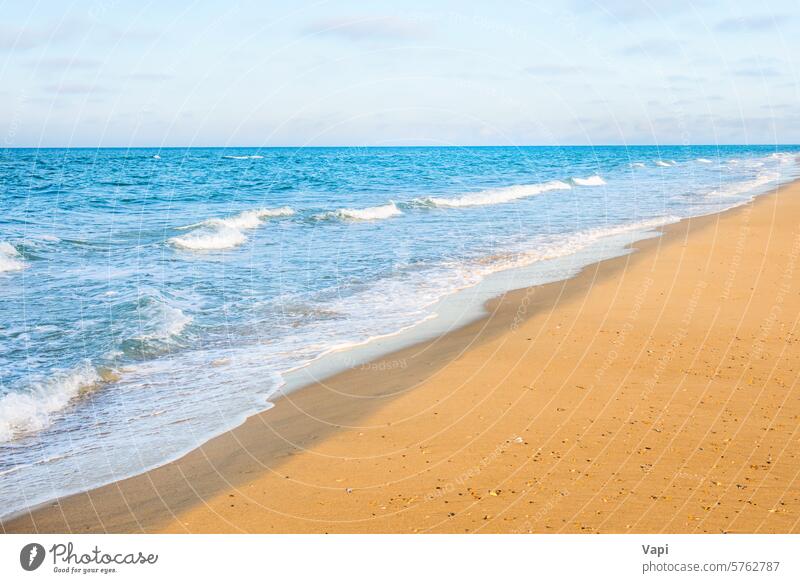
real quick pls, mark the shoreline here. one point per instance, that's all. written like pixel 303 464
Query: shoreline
pixel 307 428
pixel 469 304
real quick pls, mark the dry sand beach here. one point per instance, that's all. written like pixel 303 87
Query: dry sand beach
pixel 656 392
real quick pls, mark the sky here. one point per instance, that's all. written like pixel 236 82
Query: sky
pixel 248 73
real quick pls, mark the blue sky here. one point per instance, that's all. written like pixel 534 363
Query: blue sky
pixel 408 73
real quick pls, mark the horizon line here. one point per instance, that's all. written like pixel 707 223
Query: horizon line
pixel 704 145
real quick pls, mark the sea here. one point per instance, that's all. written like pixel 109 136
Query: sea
pixel 151 299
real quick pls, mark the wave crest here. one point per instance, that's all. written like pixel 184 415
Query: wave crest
pixel 160 323
pixel 225 233
pixel 372 213
pixel 496 195
pixel 164 320
pixel 570 245
pixel 211 239
pixel 10 259
pixel 591 181
pixel 22 413
pixel 747 186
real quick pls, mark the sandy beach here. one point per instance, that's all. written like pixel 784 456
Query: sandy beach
pixel 655 392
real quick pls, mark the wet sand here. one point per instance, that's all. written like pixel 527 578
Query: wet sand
pixel 656 392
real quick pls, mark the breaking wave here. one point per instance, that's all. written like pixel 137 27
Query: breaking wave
pixel 25 412
pixel 747 186
pixel 163 320
pixel 373 213
pixel 225 233
pixel 495 195
pixel 211 239
pixel 10 259
pixel 572 244
pixel 591 181
pixel 159 323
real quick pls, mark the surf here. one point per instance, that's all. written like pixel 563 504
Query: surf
pixel 494 196
pixel 10 258
pixel 32 409
pixel 225 233
pixel 374 213
pixel 590 181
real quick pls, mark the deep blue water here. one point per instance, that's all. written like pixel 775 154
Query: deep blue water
pixel 151 298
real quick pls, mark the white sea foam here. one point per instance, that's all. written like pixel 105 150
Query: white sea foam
pixel 225 233
pixel 571 244
pixel 210 239
pixel 163 321
pixel 637 164
pixel 253 157
pixel 591 181
pixel 665 163
pixel 785 157
pixel 10 259
pixel 159 325
pixel 244 220
pixel 643 225
pixel 705 161
pixel 413 295
pixel 32 410
pixel 372 213
pixel 496 195
pixel 747 186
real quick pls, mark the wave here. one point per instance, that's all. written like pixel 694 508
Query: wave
pixel 245 219
pixel 211 240
pixel 252 157
pixel 745 187
pixel 585 238
pixel 46 237
pixel 666 163
pixel 26 412
pixel 496 195
pixel 643 225
pixel 637 165
pixel 704 161
pixel 568 246
pixel 159 322
pixel 225 233
pixel 373 213
pixel 591 181
pixel 10 259
pixel 164 320
pixel 785 157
